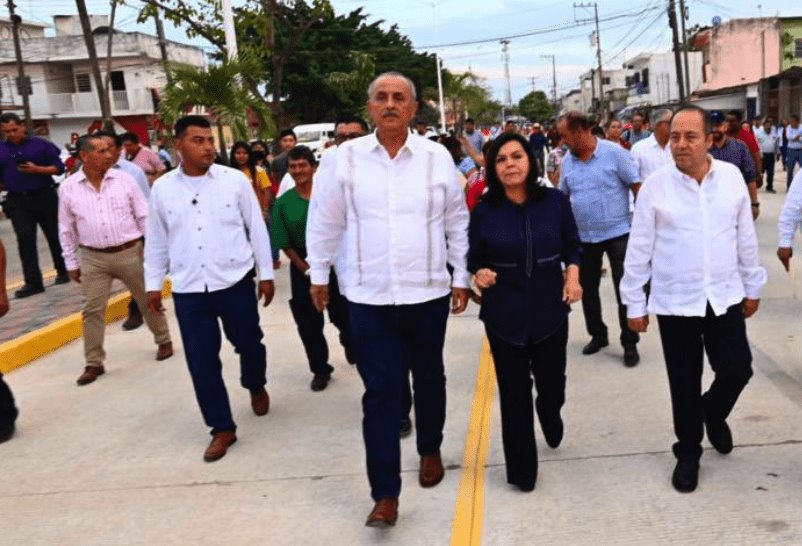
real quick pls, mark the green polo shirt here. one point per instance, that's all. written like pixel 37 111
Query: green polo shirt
pixel 289 223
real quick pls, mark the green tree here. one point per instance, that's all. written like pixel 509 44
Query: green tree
pixel 216 88
pixel 535 106
pixel 467 95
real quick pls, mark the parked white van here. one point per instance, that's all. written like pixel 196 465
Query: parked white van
pixel 315 136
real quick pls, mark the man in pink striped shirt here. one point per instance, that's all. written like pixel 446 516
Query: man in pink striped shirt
pixel 102 219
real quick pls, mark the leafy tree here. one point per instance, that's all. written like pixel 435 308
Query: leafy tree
pixel 467 93
pixel 536 106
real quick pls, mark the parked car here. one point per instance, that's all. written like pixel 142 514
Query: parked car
pixel 315 136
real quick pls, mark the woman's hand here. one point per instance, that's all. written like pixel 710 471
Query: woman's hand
pixel 572 291
pixel 485 278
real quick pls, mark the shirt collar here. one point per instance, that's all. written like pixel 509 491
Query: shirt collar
pixel 109 175
pixel 211 173
pixel 412 143
pixel 714 168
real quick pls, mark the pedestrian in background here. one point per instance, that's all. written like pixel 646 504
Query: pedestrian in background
pixel 767 138
pixel 147 160
pixel 794 150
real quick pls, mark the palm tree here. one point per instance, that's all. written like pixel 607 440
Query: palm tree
pixel 216 88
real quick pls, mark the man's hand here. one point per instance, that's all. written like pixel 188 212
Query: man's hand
pixel 267 290
pixel 750 307
pixel 485 278
pixel 476 297
pixel 459 299
pixel 784 254
pixel 572 291
pixel 3 303
pixel 638 324
pixel 320 296
pixel 75 275
pixel 155 301
pixel 28 168
pixel 755 212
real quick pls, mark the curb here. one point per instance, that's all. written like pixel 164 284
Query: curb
pixel 36 344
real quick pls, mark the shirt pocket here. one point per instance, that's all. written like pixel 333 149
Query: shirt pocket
pixel 551 260
pixel 228 212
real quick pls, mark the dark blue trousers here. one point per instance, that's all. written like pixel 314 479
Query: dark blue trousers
pixel 310 321
pixel 388 340
pixel 198 312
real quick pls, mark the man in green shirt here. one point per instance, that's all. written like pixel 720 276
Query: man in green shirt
pixel 289 234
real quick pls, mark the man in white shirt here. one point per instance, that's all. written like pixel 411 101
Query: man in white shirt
pixel 768 139
pixel 694 239
pixel 654 151
pixel 397 201
pixel 206 230
pixel 789 221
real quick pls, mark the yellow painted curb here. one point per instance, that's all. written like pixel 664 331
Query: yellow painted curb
pixel 469 512
pixel 18 283
pixel 27 348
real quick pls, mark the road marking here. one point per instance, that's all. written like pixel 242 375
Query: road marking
pixel 19 283
pixel 469 512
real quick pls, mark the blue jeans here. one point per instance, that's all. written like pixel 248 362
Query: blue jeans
pixel 198 314
pixel 794 157
pixel 384 336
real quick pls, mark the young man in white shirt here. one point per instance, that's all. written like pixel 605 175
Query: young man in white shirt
pixel 396 199
pixel 694 240
pixel 768 139
pixel 206 230
pixel 654 151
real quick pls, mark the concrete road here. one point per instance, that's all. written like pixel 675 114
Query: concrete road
pixel 120 461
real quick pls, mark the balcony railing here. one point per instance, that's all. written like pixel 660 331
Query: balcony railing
pixel 79 104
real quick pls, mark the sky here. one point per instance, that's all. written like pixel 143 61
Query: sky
pixel 466 33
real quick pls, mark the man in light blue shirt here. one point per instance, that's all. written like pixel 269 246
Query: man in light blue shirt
pixel 598 175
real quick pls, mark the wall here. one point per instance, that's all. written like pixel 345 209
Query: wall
pixel 794 28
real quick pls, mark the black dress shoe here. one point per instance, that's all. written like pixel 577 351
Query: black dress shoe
pixel 320 381
pixel 28 290
pixel 406 427
pixel 771 190
pixel 631 356
pixel 552 430
pixel 62 279
pixel 719 435
pixel 595 345
pixel 686 476
pixel 6 432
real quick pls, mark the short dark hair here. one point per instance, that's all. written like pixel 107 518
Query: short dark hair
pixel 347 117
pixel 287 132
pixel 186 122
pixel 420 122
pixel 8 117
pixel 706 118
pixel 118 140
pixel 302 152
pixel 640 115
pixel 738 115
pixel 577 121
pixel 133 137
pixel 495 190
pixel 84 142
pixel 470 120
pixel 795 117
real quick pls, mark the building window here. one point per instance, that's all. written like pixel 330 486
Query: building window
pixel 83 83
pixel 798 48
pixel 605 81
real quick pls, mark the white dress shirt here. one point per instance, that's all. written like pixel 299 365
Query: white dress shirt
pixel 206 232
pixel 135 172
pixel 791 214
pixel 403 219
pixel 649 156
pixel 696 243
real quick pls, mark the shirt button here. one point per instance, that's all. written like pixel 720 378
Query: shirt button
pixel 199 229
pixel 200 247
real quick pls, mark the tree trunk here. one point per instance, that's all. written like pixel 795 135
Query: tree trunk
pixel 105 105
pixel 221 137
pixel 106 86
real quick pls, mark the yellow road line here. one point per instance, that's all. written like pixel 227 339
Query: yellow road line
pixel 469 512
pixel 18 283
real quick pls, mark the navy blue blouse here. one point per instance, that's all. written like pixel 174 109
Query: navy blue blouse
pixel 525 245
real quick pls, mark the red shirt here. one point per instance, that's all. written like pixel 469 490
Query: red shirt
pixel 475 188
pixel 749 139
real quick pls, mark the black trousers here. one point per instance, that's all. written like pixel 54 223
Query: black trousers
pixel 590 279
pixel 8 411
pixel 27 210
pixel 768 168
pixel 685 340
pixel 310 321
pixel 515 366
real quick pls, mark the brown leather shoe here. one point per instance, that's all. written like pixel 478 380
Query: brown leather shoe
pixel 431 470
pixel 384 513
pixel 165 351
pixel 260 401
pixel 219 445
pixel 90 374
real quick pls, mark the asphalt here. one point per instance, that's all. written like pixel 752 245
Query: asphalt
pixel 120 461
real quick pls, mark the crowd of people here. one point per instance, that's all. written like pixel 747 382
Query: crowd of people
pixel 390 231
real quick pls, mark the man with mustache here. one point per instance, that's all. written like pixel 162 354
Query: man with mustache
pixel 396 199
pixel 732 150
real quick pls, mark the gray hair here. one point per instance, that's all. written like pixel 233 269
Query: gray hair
pixel 660 115
pixel 392 74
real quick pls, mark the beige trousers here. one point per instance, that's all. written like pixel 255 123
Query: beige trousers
pixel 98 269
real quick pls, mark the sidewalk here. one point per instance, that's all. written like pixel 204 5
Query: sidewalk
pixel 119 461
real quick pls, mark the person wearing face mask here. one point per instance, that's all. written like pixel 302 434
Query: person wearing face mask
pixel 734 151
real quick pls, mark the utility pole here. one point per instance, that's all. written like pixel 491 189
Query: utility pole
pixel 683 15
pixel 597 41
pixel 89 40
pixel 505 56
pixel 672 22
pixel 109 46
pixel 162 44
pixel 553 79
pixel 23 83
pixel 534 87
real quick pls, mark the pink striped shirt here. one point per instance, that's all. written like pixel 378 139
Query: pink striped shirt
pixel 112 216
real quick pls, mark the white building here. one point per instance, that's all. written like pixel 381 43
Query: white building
pixel 654 78
pixel 571 102
pixel 64 99
pixel 613 81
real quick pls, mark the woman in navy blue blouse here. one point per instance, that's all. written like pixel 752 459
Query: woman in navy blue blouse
pixel 521 235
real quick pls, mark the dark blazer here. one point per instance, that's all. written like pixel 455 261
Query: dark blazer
pixel 525 245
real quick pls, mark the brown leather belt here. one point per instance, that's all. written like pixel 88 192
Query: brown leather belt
pixel 113 249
